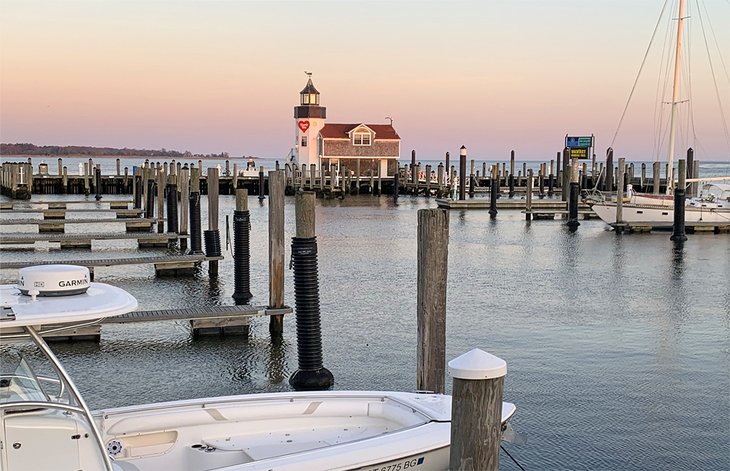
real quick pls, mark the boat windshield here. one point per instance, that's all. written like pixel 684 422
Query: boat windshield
pixel 20 383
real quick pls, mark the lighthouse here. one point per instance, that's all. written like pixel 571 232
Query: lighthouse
pixel 309 119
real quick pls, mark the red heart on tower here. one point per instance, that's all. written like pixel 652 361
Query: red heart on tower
pixel 304 125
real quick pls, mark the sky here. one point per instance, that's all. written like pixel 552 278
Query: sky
pixel 224 76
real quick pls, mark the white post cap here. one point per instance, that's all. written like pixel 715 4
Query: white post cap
pixel 477 364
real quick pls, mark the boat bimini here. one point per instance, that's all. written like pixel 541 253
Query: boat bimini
pixel 47 425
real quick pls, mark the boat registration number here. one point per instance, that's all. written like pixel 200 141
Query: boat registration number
pixel 400 465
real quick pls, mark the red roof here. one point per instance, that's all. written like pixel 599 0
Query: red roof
pixel 340 131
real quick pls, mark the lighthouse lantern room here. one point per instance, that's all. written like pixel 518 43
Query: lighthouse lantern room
pixel 309 119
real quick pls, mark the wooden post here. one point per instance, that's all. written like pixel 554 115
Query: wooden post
pixel 695 174
pixel 471 180
pixel 620 197
pixel 160 201
pixel 433 254
pixel 565 182
pixel 462 173
pixel 60 167
pixel 656 178
pixel 574 195
pixel 212 232
pixel 184 187
pixel 261 183
pixel 476 411
pixel 528 196
pixel 414 176
pixel 234 179
pixel 440 178
pixel 64 186
pixel 678 234
pixel 357 176
pixel 276 250
pixel 428 181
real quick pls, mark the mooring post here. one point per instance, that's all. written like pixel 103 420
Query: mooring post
pixel 428 181
pixel 528 196
pixel 511 182
pixel 241 249
pixel 678 229
pixel 695 174
pixel 476 411
pixel 608 181
pixel 642 181
pixel 261 183
pixel 462 173
pixel 196 246
pixel 656 178
pixel 574 195
pixel 431 275
pixel 311 374
pixel 472 179
pixel 172 225
pixel 414 174
pixel 565 182
pixel 541 182
pixel 212 235
pixel 619 227
pixel 184 185
pixel 160 200
pixel 276 250
pixel 493 190
pixel 396 182
pixel 150 196
pixel 97 182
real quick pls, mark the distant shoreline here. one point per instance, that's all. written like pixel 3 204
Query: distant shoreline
pixel 125 157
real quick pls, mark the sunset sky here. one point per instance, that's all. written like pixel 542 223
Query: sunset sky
pixel 215 76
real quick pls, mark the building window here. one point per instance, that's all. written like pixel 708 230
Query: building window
pixel 304 141
pixel 361 138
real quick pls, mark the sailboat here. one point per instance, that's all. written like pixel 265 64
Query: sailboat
pixel 46 424
pixel 657 211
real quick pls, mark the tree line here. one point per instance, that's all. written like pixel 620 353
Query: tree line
pixel 32 149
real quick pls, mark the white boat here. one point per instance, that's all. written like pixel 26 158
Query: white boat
pixel 47 425
pixel 654 210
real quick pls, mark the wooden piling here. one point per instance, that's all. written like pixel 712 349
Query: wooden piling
pixel 528 196
pixel 433 252
pixel 476 411
pixel 276 250
pixel 184 189
pixel 656 183
pixel 620 197
pixel 462 173
pixel 160 201
pixel 678 228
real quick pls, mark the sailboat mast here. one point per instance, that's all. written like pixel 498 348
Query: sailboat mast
pixel 675 99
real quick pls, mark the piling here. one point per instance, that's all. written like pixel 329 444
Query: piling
pixel 608 182
pixel 471 180
pixel 678 229
pixel 433 255
pixel 476 411
pixel 184 190
pixel 493 192
pixel 64 183
pixel 694 186
pixel 511 174
pixel 195 223
pixel 212 235
pixel 541 182
pixel 565 180
pixel 261 183
pixel 462 173
pixel 311 374
pixel 396 184
pixel 574 196
pixel 620 200
pixel 172 224
pixel 414 175
pixel 558 169
pixel 528 196
pixel 241 249
pixel 60 167
pixel 150 199
pixel 276 251
pixel 160 200
pixel 97 182
pixel 656 183
pixel 440 178
pixel 428 182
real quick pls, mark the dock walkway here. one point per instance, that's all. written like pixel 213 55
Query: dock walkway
pixel 84 240
pixel 165 265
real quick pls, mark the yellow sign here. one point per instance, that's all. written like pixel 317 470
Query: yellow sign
pixel 579 153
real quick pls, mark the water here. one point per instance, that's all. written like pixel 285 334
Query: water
pixel 618 347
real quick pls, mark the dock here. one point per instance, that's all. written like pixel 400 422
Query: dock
pixel 205 320
pixel 165 265
pixel 60 213
pixel 58 225
pixel 84 240
pixel 113 204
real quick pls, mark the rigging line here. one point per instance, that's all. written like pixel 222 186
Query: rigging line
pixel 714 81
pixel 714 36
pixel 643 61
pixel 661 91
pixel 512 457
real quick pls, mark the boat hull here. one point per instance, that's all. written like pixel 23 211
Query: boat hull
pixel 334 430
pixel 660 216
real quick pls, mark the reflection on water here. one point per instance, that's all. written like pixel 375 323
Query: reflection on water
pixel 617 345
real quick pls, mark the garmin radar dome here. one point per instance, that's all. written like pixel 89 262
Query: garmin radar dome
pixel 53 280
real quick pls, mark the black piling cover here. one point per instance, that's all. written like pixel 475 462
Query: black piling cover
pixel 212 243
pixel 306 299
pixel 195 229
pixel 172 208
pixel 241 256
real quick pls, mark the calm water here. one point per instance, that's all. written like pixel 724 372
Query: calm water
pixel 618 347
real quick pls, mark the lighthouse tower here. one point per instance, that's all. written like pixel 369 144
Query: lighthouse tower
pixel 309 118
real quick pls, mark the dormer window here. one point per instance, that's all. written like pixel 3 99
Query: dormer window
pixel 361 138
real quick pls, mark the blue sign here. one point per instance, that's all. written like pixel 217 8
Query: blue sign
pixel 579 142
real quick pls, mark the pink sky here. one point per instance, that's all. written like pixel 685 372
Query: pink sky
pixel 220 76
